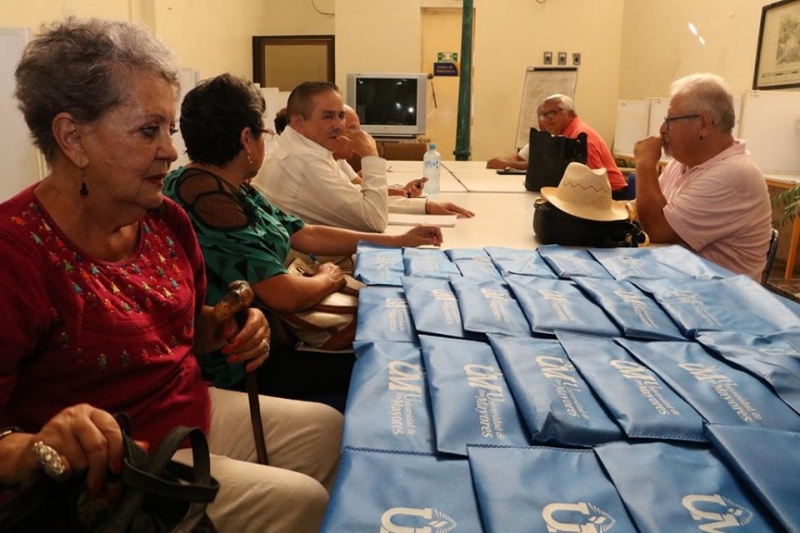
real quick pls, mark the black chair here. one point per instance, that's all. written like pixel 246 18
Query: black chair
pixel 773 248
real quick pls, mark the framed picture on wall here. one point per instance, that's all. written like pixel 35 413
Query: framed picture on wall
pixel 778 55
pixel 286 61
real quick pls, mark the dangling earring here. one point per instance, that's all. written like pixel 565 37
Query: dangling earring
pixel 84 189
pixel 248 157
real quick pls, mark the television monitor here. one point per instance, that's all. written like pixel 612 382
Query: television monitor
pixel 389 104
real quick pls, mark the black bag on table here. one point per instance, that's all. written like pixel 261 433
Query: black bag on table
pixel 154 494
pixel 548 157
pixel 554 226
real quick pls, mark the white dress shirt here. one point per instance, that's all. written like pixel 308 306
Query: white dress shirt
pixel 302 179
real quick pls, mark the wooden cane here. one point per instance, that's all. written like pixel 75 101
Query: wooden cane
pixel 235 304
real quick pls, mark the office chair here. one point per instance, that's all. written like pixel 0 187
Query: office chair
pixel 773 248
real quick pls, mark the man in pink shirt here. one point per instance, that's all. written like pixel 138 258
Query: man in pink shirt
pixel 712 198
pixel 557 115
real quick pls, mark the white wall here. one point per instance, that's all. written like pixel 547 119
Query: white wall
pixel 630 48
pixel 657 46
pixel 509 40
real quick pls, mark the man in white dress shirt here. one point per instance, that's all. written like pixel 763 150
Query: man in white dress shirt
pixel 302 177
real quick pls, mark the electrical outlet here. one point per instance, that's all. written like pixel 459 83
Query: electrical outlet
pixel 576 58
pixel 562 58
pixel 547 58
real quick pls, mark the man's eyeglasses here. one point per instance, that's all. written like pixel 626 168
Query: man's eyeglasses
pixel 668 120
pixel 549 114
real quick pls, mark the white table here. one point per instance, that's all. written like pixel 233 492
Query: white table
pixel 501 219
pixel 475 177
pixel 503 214
pixel 401 172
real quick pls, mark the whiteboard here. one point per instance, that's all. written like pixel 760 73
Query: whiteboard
pixel 541 82
pixel 20 158
pixel 769 126
pixel 632 117
pixel 657 111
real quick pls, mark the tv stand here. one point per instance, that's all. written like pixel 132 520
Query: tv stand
pixel 394 138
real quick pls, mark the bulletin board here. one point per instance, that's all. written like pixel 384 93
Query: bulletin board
pixel 770 126
pixel 632 122
pixel 541 82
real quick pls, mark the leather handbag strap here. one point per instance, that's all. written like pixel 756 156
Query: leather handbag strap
pixel 142 477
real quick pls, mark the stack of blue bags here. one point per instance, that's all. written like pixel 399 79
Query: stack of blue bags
pixel 560 389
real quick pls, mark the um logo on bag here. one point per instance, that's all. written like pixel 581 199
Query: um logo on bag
pixel 428 520
pixel 715 512
pixel 576 518
pixel 405 377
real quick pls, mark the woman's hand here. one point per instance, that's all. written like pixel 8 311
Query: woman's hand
pixel 334 274
pixel 83 437
pixel 421 236
pixel 250 344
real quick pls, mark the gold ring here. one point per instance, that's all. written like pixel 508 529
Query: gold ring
pixel 266 346
pixel 48 459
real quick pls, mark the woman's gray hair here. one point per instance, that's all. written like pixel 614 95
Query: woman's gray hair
pixel 83 67
pixel 707 93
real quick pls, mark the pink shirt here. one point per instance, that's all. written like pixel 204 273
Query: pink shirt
pixel 115 335
pixel 721 208
pixel 598 155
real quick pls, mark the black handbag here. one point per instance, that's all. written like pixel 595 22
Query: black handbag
pixel 554 226
pixel 154 494
pixel 549 156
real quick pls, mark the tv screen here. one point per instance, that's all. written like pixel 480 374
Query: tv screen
pixel 389 104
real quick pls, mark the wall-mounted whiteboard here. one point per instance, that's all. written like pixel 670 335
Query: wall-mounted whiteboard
pixel 541 82
pixel 769 126
pixel 21 162
pixel 632 122
pixel 658 110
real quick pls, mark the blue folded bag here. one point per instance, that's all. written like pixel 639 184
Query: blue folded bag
pixel 554 304
pixel 773 358
pixel 676 487
pixel 480 270
pixel 633 394
pixel 554 400
pixel 518 261
pixel 510 499
pixel 394 492
pixel 378 265
pixel 770 470
pixel 720 393
pixel 571 263
pixel 461 254
pixel 428 262
pixel 731 304
pixel 470 398
pixel 388 407
pixel 634 312
pixel 658 262
pixel 383 315
pixel 434 306
pixel 489 307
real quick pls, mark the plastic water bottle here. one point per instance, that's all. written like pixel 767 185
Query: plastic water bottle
pixel 432 166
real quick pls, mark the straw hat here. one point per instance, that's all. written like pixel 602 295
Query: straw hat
pixel 585 193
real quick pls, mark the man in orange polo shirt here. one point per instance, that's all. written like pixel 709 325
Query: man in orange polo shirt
pixel 557 116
